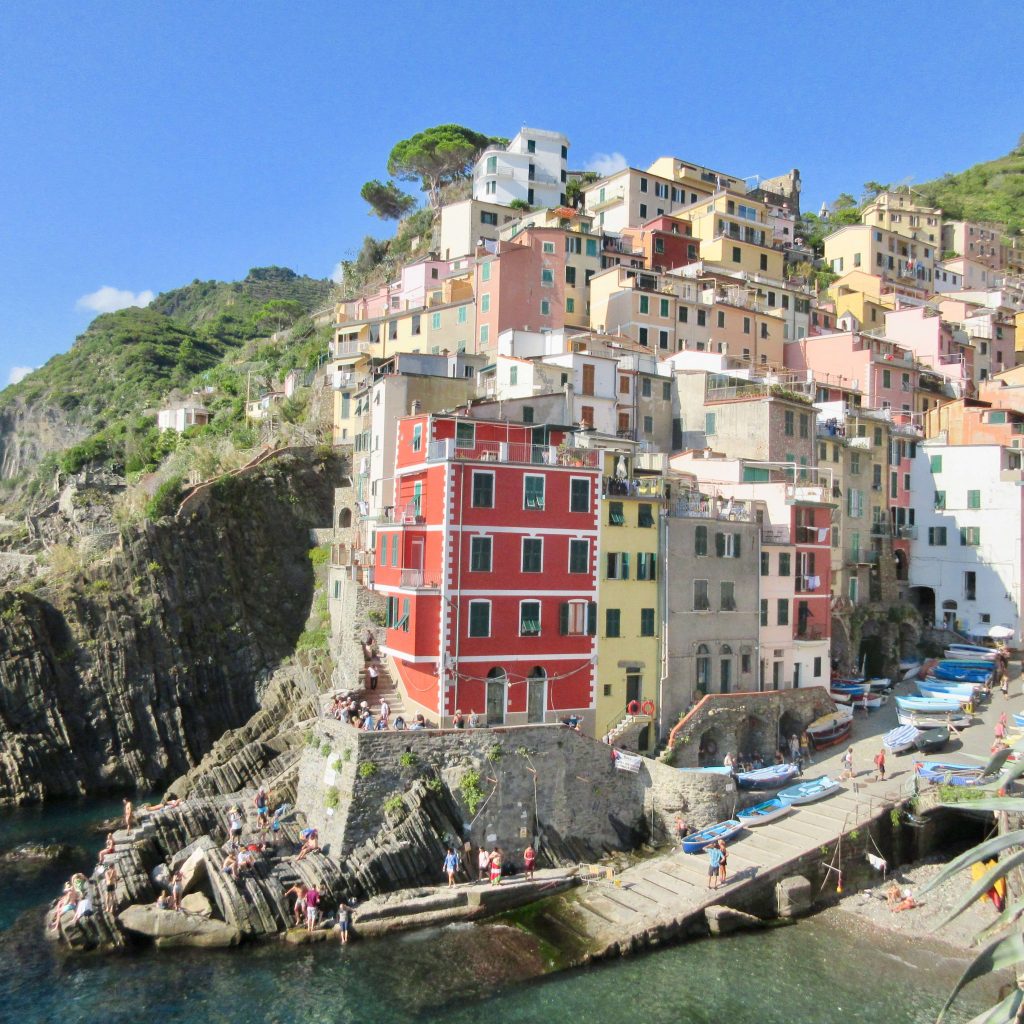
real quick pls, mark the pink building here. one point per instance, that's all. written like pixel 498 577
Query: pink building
pixel 884 372
pixel 934 342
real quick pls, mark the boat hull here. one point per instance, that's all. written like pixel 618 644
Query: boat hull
pixel 957 721
pixel 929 705
pixel 702 840
pixel 931 741
pixel 761 814
pixel 771 777
pixel 901 739
pixel 950 774
pixel 809 791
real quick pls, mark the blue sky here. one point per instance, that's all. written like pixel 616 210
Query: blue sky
pixel 149 144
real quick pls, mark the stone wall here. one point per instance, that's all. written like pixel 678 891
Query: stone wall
pixel 745 723
pixel 543 784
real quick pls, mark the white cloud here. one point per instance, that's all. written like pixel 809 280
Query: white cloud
pixel 18 373
pixel 108 299
pixel 606 163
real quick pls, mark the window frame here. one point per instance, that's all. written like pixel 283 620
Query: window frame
pixel 481 543
pixel 474 605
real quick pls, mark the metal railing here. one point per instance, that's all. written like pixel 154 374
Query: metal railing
pixel 501 451
pixel 419 579
pixel 703 507
pixel 634 487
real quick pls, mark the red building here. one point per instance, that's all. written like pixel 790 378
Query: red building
pixel 666 242
pixel 488 561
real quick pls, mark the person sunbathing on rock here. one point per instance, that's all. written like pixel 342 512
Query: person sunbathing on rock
pixel 230 865
pixel 109 850
pixel 310 842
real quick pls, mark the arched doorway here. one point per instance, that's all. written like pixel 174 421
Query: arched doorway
pixel 703 669
pixel 949 614
pixel 725 669
pixel 497 682
pixel 344 519
pixel 711 749
pixel 790 724
pixel 536 694
pixel 756 737
pixel 923 599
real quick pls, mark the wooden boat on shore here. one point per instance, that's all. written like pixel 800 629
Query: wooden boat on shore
pixel 963 692
pixel 930 705
pixel 832 728
pixel 770 777
pixel 810 790
pixel 952 720
pixel 931 741
pixel 854 687
pixel 761 814
pixel 705 837
pixel 901 739
pixel 951 774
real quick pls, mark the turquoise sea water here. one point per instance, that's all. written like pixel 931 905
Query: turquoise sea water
pixel 810 973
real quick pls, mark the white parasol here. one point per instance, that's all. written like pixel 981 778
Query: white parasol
pixel 999 632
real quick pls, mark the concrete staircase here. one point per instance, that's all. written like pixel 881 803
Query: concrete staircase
pixel 626 734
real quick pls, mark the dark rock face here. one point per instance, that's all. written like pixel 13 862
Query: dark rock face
pixel 124 675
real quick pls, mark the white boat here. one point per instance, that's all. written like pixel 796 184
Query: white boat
pixel 901 738
pixel 970 652
pixel 880 684
pixel 922 721
pixel 909 669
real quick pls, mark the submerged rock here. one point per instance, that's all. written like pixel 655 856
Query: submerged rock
pixel 39 853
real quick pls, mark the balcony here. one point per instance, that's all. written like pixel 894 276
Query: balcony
pixel 881 528
pixel 699 506
pixel 821 535
pixel 775 535
pixel 615 195
pixel 507 452
pixel 906 532
pixel 810 633
pixel 634 487
pixel 419 579
pixel 349 349
pixel 809 584
pixel 399 515
pixel 796 493
pixel 860 556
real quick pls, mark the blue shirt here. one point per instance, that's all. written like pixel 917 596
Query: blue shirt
pixel 451 862
pixel 714 857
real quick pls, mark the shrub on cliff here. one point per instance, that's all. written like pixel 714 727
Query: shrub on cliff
pixel 166 500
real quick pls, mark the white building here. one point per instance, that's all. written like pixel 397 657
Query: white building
pixel 966 560
pixel 181 417
pixel 532 169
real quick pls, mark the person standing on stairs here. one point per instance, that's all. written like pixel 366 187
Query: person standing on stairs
pixel 372 672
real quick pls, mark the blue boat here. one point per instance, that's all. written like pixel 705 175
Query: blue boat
pixel 1018 719
pixel 772 777
pixel 951 774
pixel 963 692
pixel 969 651
pixel 709 770
pixel 929 705
pixel 705 837
pixel 960 663
pixel 854 687
pixel 961 675
pixel 812 789
pixel 900 739
pixel 761 814
pixel 977 689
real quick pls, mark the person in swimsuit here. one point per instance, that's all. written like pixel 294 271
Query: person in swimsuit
pixel 343 920
pixel 109 850
pixel 299 910
pixel 177 889
pixel 529 861
pixel 110 888
pixel 129 815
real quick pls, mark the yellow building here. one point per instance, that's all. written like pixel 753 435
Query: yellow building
pixel 860 294
pixel 888 254
pixel 630 612
pixel 735 233
pixel 897 212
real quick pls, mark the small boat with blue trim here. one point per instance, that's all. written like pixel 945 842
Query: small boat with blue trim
pixel 963 692
pixel 909 667
pixel 854 687
pixel 710 770
pixel 954 720
pixel 930 705
pixel 901 739
pixel 951 774
pixel 761 814
pixel 698 841
pixel 951 672
pixel 810 790
pixel 969 652
pixel 770 777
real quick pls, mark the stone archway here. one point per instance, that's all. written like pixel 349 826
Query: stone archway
pixel 345 518
pixel 923 599
pixel 711 748
pixel 790 724
pixel 756 736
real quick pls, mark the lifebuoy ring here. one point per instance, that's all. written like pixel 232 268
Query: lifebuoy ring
pixel 647 708
pixel 710 748
pixel 633 707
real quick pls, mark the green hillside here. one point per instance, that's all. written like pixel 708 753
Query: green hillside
pixel 991 191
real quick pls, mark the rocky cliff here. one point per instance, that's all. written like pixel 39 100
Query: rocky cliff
pixel 124 673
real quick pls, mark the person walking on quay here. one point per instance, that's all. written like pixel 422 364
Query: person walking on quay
pixel 529 861
pixel 723 862
pixel 880 766
pixel 483 863
pixel 1000 729
pixel 848 772
pixel 714 863
pixel 451 865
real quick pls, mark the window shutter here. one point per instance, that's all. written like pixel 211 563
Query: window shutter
pixel 720 545
pixel 625 565
pixel 652 561
pixel 736 537
pixel 563 618
pixel 591 618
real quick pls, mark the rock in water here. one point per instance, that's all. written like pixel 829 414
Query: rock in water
pixel 174 928
pixel 38 852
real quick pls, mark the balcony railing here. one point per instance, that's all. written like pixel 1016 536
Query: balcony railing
pixel 810 633
pixel 862 556
pixel 501 451
pixel 702 507
pixel 419 579
pixel 634 487
pixel 881 528
pixel 906 532
pixel 808 492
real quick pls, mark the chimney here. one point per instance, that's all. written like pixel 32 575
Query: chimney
pixel 414 409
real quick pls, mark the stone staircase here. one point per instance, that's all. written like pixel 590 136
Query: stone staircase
pixel 668 895
pixel 626 734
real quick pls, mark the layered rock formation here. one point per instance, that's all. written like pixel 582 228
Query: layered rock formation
pixel 125 673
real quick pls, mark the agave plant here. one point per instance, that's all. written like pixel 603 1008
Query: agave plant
pixel 1000 950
